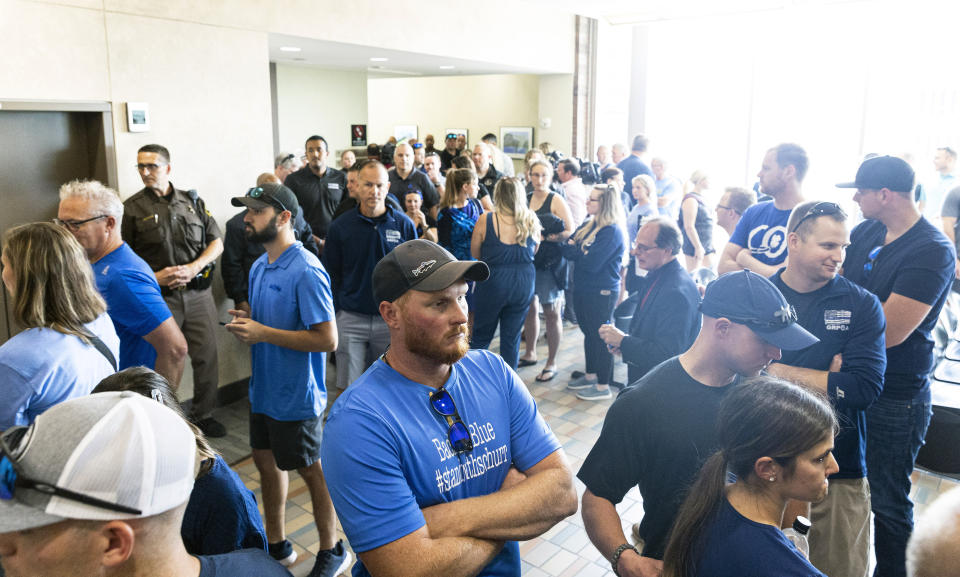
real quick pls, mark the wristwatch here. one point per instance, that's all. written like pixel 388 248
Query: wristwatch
pixel 616 556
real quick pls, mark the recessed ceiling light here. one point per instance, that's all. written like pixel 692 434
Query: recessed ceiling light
pixel 378 59
pixel 289 49
pixel 447 67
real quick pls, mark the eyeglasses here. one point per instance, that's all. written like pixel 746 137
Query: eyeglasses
pixel 150 167
pixel 457 434
pixel 11 478
pixel 784 317
pixel 76 224
pixel 727 208
pixel 642 247
pixel 871 258
pixel 820 209
pixel 261 195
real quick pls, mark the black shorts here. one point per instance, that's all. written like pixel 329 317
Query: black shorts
pixel 295 444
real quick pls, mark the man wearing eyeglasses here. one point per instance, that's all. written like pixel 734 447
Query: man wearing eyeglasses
pixel 437 459
pixel 759 243
pixel 290 327
pixel 660 430
pixel 909 264
pixel 149 335
pixel 174 232
pixel 734 202
pixel 75 500
pixel 847 365
pixel 666 319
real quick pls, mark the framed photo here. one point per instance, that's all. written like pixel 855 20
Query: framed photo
pixel 405 132
pixel 516 140
pixel 358 135
pixel 138 117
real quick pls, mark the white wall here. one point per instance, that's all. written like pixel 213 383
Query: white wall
pixel 612 102
pixel 481 104
pixel 556 103
pixel 325 102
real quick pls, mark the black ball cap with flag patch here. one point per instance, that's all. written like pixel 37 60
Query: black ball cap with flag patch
pixel 422 265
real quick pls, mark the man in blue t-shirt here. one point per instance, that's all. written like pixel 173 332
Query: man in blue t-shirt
pixel 759 243
pixel 437 459
pixel 847 365
pixel 356 241
pixel 149 335
pixel 898 255
pixel 290 327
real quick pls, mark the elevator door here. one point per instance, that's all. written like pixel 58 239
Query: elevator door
pixel 39 151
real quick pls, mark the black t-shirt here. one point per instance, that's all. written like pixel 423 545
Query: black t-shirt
pixel 918 265
pixel 318 196
pixel 656 435
pixel 415 181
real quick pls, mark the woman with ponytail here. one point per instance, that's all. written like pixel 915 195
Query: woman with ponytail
pixel 776 439
pixel 506 239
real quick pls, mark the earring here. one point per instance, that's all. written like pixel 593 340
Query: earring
pixel 772 479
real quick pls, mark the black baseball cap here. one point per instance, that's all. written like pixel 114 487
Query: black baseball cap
pixel 422 265
pixel 879 172
pixel 276 195
pixel 749 299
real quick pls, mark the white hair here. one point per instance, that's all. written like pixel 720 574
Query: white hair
pixel 102 199
pixel 933 548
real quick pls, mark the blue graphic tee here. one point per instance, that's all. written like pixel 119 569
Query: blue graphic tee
pixel 763 230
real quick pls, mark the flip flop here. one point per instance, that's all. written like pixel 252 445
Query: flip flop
pixel 526 363
pixel 542 379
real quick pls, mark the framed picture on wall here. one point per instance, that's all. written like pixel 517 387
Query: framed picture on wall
pixel 516 140
pixel 358 135
pixel 405 132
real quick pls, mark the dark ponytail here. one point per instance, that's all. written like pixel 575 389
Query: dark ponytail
pixel 762 417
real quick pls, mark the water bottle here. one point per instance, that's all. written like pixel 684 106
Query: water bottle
pixel 798 535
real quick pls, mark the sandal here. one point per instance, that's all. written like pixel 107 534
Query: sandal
pixel 526 362
pixel 546 375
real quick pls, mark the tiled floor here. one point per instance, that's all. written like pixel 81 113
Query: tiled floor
pixel 562 551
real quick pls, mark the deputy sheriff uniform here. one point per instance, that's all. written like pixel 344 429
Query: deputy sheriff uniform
pixel 174 230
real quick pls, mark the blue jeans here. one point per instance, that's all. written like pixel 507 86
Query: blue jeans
pixel 895 433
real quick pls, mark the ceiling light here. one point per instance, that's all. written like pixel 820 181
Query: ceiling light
pixel 289 49
pixel 378 59
pixel 447 67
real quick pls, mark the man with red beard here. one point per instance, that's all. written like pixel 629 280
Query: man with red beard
pixel 437 459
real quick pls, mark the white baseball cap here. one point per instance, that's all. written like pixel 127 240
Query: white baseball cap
pixel 115 455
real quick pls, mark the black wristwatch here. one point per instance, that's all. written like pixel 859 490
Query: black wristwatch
pixel 616 556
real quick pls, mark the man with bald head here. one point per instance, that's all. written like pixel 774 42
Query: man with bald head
pixel 404 176
pixel 356 242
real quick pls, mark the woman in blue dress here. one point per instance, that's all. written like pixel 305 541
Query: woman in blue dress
pixel 776 439
pixel 459 211
pixel 506 239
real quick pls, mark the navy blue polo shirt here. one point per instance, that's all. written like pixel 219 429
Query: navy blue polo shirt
pixel 848 320
pixel 354 245
pixel 918 265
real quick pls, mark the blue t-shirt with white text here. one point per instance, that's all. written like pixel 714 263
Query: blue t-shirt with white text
pixel 386 455
pixel 763 230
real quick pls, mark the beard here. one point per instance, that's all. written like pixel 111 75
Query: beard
pixel 424 345
pixel 268 234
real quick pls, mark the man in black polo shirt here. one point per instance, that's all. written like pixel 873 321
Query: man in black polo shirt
pixel 901 257
pixel 319 188
pixel 404 176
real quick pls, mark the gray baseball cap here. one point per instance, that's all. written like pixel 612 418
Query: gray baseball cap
pixel 422 265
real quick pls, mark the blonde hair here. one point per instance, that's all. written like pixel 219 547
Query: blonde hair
pixel 54 285
pixel 696 178
pixel 509 199
pixel 610 213
pixel 648 183
pixel 457 178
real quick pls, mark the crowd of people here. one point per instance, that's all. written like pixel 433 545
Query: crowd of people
pixel 794 385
